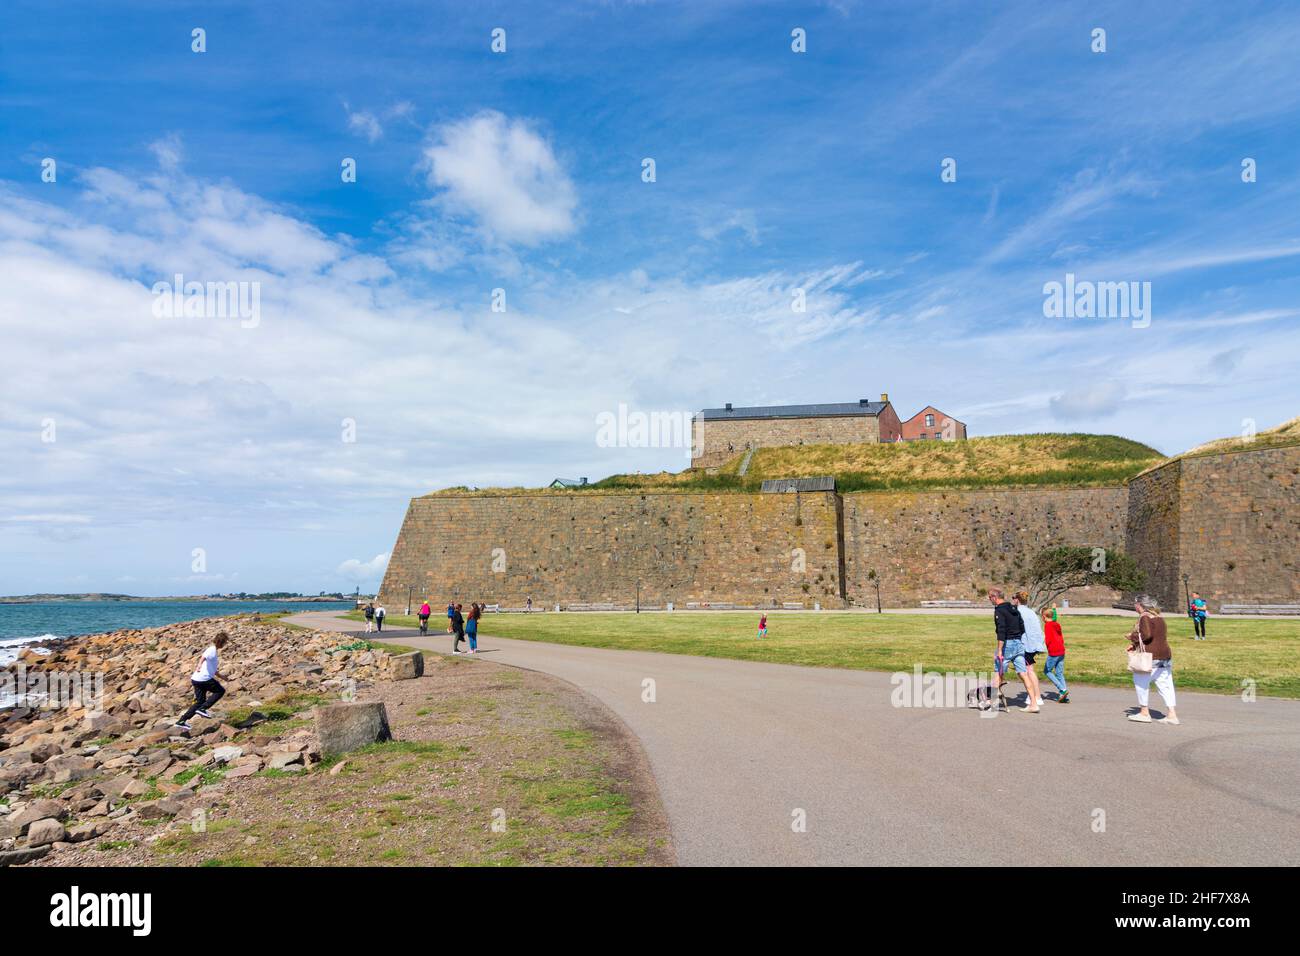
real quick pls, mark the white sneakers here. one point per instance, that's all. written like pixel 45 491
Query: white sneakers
pixel 1140 718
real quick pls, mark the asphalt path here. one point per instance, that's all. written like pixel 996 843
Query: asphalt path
pixel 772 764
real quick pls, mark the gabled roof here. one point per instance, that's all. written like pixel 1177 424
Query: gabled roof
pixel 833 410
pixel 937 411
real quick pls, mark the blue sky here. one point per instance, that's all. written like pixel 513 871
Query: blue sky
pixel 521 171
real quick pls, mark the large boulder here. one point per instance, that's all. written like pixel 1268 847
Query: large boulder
pixel 39 810
pixel 66 768
pixel 43 832
pixel 407 666
pixel 344 727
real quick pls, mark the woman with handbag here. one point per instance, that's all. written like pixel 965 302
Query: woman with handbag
pixel 1150 659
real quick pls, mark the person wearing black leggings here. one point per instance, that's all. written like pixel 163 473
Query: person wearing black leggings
pixel 204 681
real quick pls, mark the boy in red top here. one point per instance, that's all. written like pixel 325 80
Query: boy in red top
pixel 1055 653
pixel 762 627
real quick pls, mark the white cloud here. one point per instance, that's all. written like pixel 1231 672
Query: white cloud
pixel 505 174
pixel 1088 402
pixel 367 124
pixel 364 572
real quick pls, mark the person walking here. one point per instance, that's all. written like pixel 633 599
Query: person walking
pixel 1197 610
pixel 471 627
pixel 451 612
pixel 762 627
pixel 1152 636
pixel 425 611
pixel 1010 629
pixel 528 605
pixel 370 617
pixel 380 614
pixel 457 628
pixel 207 691
pixel 1055 668
pixel 1034 642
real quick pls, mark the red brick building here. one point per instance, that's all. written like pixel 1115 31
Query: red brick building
pixel 930 424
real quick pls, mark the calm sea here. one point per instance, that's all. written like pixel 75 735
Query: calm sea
pixel 22 623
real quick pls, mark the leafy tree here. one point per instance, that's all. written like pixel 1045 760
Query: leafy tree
pixel 1053 571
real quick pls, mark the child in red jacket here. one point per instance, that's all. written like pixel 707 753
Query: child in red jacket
pixel 1055 653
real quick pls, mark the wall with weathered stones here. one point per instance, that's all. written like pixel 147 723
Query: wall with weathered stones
pixel 954 545
pixel 715 442
pixel 1230 522
pixel 593 547
pixel 1153 530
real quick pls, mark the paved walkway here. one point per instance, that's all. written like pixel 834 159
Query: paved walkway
pixel 740 748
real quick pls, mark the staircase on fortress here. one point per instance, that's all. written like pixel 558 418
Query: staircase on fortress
pixel 744 463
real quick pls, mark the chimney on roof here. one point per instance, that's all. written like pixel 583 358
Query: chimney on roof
pixel 884 396
pixel 728 406
pixel 864 401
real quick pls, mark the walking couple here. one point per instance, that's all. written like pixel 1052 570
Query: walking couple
pixel 465 627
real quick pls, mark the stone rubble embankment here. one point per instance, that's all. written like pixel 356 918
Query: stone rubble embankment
pixel 73 773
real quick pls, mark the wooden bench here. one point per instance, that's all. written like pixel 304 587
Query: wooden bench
pixel 1259 609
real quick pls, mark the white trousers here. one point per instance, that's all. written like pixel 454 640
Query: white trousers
pixel 1162 672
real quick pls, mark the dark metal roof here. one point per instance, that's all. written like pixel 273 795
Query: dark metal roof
pixel 787 485
pixel 831 410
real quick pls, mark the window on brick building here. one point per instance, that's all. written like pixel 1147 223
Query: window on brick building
pixel 929 421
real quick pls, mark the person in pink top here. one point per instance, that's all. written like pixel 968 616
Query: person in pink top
pixel 425 611
pixel 762 627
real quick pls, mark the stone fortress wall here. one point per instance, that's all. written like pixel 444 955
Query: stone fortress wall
pixel 1230 521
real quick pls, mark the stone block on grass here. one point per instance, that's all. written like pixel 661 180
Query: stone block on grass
pixel 345 727
pixel 407 666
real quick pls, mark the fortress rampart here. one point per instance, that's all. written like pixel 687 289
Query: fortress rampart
pixel 1230 521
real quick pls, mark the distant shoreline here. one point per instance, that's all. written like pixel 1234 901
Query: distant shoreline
pixel 128 598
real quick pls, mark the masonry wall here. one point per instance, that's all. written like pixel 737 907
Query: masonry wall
pixel 954 545
pixel 588 547
pixel 718 441
pixel 1232 522
pixel 1154 522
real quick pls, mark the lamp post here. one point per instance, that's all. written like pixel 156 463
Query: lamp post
pixel 1187 594
pixel 638 595
pixel 410 591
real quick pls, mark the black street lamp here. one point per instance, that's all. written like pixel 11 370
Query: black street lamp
pixel 638 595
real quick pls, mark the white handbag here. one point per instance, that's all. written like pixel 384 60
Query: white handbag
pixel 1140 662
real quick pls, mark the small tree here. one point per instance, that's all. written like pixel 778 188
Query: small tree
pixel 874 578
pixel 1053 571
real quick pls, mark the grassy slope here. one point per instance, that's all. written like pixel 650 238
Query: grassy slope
pixel 999 461
pixel 1284 435
pixel 1265 651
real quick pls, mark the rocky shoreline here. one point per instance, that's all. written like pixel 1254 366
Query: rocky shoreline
pixel 74 773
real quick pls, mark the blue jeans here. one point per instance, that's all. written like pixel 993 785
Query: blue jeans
pixel 1055 672
pixel 473 639
pixel 1013 652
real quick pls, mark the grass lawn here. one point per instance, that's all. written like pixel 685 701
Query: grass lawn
pixel 1267 652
